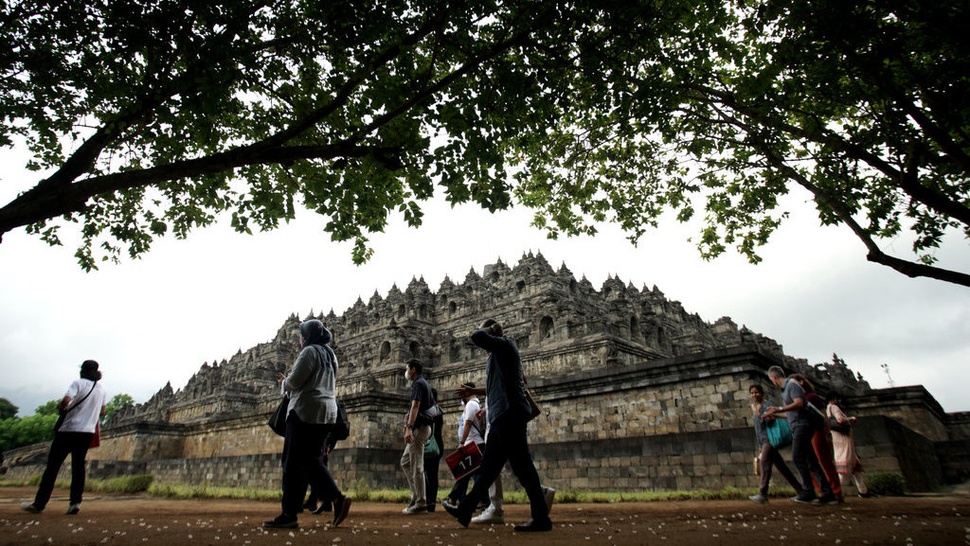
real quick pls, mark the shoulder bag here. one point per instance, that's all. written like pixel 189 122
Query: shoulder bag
pixel 428 416
pixel 836 426
pixel 277 421
pixel 431 447
pixel 535 410
pixel 779 433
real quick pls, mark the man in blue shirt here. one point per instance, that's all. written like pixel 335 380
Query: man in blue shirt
pixel 793 400
pixel 416 434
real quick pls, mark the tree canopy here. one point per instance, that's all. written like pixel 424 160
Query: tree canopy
pixel 7 409
pixel 118 402
pixel 38 427
pixel 155 117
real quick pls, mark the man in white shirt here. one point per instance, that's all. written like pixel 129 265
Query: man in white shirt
pixel 470 430
pixel 85 404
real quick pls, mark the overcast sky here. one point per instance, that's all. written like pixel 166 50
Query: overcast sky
pixel 158 319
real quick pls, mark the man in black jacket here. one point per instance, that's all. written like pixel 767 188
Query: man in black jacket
pixel 508 413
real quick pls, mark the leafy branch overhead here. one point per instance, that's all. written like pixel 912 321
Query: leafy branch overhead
pixel 150 118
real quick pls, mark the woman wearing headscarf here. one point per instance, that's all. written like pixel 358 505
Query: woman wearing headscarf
pixel 82 406
pixel 311 415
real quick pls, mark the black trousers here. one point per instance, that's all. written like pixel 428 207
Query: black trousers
pixel 507 442
pixel 431 465
pixel 74 444
pixel 303 464
pixel 806 462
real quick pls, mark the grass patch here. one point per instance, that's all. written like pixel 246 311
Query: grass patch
pixel 887 484
pixel 122 484
pixel 204 491
pixel 364 492
pixel 138 483
pixel 883 483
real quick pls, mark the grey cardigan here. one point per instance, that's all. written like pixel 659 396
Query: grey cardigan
pixel 312 386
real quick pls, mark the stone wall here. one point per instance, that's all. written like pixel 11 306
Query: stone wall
pixel 677 423
pixel 886 445
pixel 912 406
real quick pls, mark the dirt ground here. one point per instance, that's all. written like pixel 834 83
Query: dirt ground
pixel 107 519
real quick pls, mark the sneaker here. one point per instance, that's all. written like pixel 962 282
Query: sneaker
pixel 416 509
pixel 325 507
pixel 29 507
pixel 549 494
pixel 533 526
pixel 867 495
pixel 489 516
pixel 804 499
pixel 281 521
pixel 758 499
pixel 74 508
pixel 341 507
pixel 462 520
pixel 827 499
pixel 449 503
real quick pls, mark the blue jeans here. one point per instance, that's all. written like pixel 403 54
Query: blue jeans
pixel 507 442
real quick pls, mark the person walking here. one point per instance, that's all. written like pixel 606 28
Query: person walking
pixel 768 456
pixel 821 438
pixel 311 414
pixel 508 413
pixel 847 461
pixel 433 462
pixel 470 430
pixel 417 430
pixel 82 408
pixel 793 398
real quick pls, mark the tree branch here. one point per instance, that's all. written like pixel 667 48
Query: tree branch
pixel 906 182
pixel 42 203
pixel 875 255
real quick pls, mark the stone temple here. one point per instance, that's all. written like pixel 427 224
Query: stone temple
pixel 637 393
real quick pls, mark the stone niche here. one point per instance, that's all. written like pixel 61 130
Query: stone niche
pixel 637 393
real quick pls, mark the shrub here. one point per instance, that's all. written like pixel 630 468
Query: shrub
pixel 362 489
pixel 886 483
pixel 138 483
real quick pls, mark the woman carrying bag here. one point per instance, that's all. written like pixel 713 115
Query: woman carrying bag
pixel 847 461
pixel 311 414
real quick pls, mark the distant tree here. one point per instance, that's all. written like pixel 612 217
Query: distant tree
pixel 39 427
pixel 48 408
pixel 7 409
pixel 160 117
